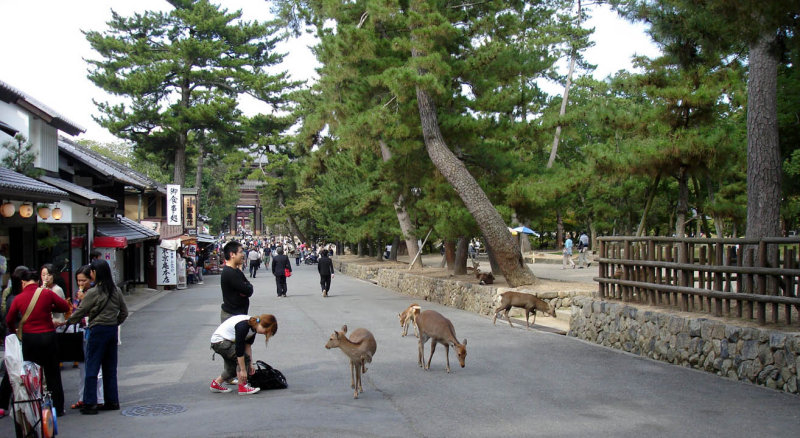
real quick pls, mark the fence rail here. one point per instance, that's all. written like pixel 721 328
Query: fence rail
pixel 752 279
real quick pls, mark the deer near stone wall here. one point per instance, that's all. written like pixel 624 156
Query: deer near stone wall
pixel 432 325
pixel 359 348
pixel 409 316
pixel 528 302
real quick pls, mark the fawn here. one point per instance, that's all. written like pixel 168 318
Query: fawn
pixel 359 348
pixel 432 325
pixel 526 301
pixel 409 316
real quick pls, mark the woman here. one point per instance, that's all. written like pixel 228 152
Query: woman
pixel 11 292
pixel 233 340
pixel 47 277
pixel 106 309
pixel 38 332
pixel 83 280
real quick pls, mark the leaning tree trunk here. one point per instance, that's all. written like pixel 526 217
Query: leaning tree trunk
pixel 493 266
pixel 293 228
pixel 460 262
pixel 640 231
pixel 393 252
pixel 406 226
pixel 559 229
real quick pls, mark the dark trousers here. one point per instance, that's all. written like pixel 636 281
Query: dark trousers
pixel 325 282
pixel 280 280
pixel 253 268
pixel 41 348
pixel 101 352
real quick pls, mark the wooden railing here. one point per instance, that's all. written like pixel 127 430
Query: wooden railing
pixel 724 277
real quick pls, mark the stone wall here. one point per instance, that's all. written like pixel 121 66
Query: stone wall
pixel 756 355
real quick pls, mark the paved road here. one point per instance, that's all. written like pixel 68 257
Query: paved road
pixel 516 382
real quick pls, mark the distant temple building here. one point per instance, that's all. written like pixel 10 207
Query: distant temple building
pixel 249 211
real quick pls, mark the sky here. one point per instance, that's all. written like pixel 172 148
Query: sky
pixel 44 50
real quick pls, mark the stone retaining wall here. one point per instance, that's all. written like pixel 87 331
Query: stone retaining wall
pixel 756 355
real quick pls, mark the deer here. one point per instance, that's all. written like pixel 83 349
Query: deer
pixel 432 325
pixel 359 348
pixel 484 277
pixel 409 316
pixel 528 302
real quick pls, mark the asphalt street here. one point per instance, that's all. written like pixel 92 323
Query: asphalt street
pixel 516 382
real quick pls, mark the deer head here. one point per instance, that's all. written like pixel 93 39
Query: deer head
pixel 336 337
pixel 461 351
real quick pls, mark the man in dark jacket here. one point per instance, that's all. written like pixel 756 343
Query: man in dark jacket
pixel 236 289
pixel 325 268
pixel 280 263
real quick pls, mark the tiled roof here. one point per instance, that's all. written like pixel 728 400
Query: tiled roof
pixel 124 227
pixel 108 167
pixel 84 195
pixel 13 95
pixel 19 187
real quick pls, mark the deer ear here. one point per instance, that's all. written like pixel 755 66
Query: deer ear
pixel 465 342
pixel 344 328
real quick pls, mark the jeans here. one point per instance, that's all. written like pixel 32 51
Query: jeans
pixel 102 352
pixel 280 281
pixel 82 372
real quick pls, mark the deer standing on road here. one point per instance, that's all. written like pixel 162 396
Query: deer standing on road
pixel 359 348
pixel 432 325
pixel 526 301
pixel 409 316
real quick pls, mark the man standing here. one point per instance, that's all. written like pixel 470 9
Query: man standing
pixel 325 268
pixel 568 254
pixel 255 258
pixel 583 248
pixel 281 263
pixel 236 289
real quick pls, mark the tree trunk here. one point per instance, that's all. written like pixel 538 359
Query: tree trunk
pixel 564 100
pixel 462 249
pixel 763 150
pixel 648 204
pixel 406 226
pixel 559 230
pixel 450 253
pixel 179 176
pixel 393 252
pixel 493 265
pixel 361 248
pixel 683 202
pixel 293 228
pixel 198 177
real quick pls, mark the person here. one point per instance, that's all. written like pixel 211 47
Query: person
pixel 83 280
pixel 567 254
pixel 325 268
pixel 267 253
pixel 47 275
pixel 39 332
pixel 233 340
pixel 471 250
pixel 106 309
pixel 14 288
pixel 298 254
pixel 279 265
pixel 236 288
pixel 388 252
pixel 255 259
pixel 583 248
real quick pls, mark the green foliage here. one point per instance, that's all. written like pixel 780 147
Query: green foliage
pixel 19 156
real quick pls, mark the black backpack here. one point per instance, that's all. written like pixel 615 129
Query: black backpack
pixel 267 377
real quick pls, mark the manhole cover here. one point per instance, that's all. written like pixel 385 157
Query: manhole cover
pixel 156 410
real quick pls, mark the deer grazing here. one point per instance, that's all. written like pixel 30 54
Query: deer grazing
pixel 359 348
pixel 526 301
pixel 409 316
pixel 432 325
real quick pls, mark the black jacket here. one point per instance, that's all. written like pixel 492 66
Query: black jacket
pixel 279 263
pixel 325 266
pixel 236 291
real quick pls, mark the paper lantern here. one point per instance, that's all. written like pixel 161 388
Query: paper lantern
pixel 57 213
pixel 8 209
pixel 44 212
pixel 26 210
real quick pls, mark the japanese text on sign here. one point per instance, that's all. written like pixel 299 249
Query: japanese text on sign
pixel 173 204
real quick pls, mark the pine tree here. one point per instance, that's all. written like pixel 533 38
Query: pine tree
pixel 20 157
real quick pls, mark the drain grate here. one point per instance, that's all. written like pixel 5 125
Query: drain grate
pixel 156 410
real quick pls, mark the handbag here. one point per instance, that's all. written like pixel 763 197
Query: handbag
pixel 287 272
pixel 266 377
pixel 70 345
pixel 28 311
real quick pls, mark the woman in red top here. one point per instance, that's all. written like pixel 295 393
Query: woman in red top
pixel 39 332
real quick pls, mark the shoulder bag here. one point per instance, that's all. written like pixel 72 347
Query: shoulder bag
pixel 266 377
pixel 70 345
pixel 28 312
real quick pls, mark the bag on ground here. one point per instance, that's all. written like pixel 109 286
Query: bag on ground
pixel 267 377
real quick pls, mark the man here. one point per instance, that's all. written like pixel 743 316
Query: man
pixel 279 265
pixel 568 254
pixel 325 268
pixel 583 248
pixel 255 259
pixel 236 289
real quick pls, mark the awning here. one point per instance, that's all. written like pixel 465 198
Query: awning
pixel 18 187
pixel 205 238
pixel 124 227
pixel 80 195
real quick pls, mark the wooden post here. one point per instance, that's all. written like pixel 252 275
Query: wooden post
pixel 603 267
pixel 749 286
pixel 683 276
pixel 627 290
pixel 788 282
pixel 718 278
pixel 651 273
pixel 701 279
pixel 660 275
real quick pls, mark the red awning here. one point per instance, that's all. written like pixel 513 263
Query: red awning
pixel 110 242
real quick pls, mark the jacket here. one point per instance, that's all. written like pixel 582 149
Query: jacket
pixel 325 266
pixel 41 318
pixel 279 263
pixel 114 313
pixel 236 291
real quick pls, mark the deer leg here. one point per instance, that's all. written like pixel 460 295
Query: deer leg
pixel 496 311
pixel 447 356
pixel 528 315
pixel 357 386
pixel 352 374
pixel 421 351
pixel 416 329
pixel 433 348
pixel 534 316
pixel 508 309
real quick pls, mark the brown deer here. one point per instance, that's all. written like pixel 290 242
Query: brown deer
pixel 409 316
pixel 359 348
pixel 485 277
pixel 526 301
pixel 432 325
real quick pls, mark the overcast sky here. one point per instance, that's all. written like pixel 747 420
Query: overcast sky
pixel 44 49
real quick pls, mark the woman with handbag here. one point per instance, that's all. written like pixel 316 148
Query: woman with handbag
pixel 83 280
pixel 106 309
pixel 36 305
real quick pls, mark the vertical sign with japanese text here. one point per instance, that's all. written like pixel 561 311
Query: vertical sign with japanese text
pixel 173 204
pixel 166 267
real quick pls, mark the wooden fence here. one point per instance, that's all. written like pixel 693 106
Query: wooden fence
pixel 724 277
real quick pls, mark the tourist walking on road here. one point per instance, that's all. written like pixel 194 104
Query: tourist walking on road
pixel 255 260
pixel 568 254
pixel 236 288
pixel 583 248
pixel 325 268
pixel 280 264
pixel 233 340
pixel 106 309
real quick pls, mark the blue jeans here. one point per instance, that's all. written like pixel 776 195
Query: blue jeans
pixel 102 352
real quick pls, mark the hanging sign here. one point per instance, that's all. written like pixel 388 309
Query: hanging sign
pixel 166 267
pixel 173 204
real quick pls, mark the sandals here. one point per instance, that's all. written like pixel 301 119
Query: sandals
pixel 77 405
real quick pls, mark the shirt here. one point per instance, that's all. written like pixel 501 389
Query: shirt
pixel 236 291
pixel 237 330
pixel 41 318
